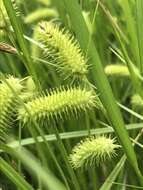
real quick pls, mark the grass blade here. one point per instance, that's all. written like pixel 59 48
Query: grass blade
pixel 14 176
pixel 139 14
pixel 47 178
pixel 18 30
pixel 73 134
pixel 127 11
pixel 113 175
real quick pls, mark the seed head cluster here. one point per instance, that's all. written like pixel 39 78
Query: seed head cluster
pixel 92 150
pixel 57 104
pixel 63 49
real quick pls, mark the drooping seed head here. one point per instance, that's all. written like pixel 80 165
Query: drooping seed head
pixel 92 150
pixel 8 102
pixel 61 47
pixel 58 103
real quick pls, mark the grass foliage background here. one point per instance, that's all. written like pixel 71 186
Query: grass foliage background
pixel 109 35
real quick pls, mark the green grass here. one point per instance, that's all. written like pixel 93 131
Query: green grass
pixel 68 94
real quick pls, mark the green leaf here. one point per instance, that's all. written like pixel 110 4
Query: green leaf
pixel 73 134
pixel 113 175
pixel 139 14
pixel 14 176
pixel 34 167
pixel 18 31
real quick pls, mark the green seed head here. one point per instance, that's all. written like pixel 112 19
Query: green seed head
pixel 117 70
pixel 92 150
pixel 63 49
pixel 57 104
pixel 8 102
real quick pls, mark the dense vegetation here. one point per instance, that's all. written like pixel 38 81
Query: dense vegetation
pixel 71 94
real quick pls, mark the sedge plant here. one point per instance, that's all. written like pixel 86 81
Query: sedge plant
pixel 63 64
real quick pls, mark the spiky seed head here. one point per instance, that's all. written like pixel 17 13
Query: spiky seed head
pixel 8 102
pixel 58 103
pixel 117 70
pixel 92 150
pixel 61 47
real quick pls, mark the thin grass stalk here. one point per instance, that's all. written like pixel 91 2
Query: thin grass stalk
pixel 113 175
pixel 135 78
pixel 131 28
pixel 18 29
pixel 73 134
pixel 65 157
pixel 52 155
pixel 17 179
pixel 139 20
pixel 47 178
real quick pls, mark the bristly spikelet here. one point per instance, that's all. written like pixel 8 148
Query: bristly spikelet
pixel 63 49
pixel 117 70
pixel 57 104
pixel 92 150
pixel 8 103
